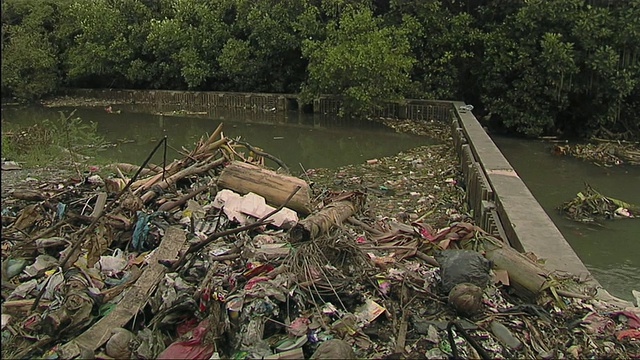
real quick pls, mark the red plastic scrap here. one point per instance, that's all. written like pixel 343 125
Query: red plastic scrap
pixel 190 349
pixel 254 280
pixel 186 326
pixel 204 299
pixel 631 333
pixel 597 323
pixel 299 326
pixel 633 319
pixel 257 270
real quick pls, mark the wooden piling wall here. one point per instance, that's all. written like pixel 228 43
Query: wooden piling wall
pixel 206 100
pixel 191 100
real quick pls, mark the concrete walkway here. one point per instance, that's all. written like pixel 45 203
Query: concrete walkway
pixel 526 224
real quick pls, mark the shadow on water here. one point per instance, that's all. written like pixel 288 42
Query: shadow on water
pixel 610 251
pixel 296 138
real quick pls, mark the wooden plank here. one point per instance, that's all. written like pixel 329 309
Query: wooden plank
pixel 133 301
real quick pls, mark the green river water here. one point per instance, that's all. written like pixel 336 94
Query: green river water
pixel 309 140
pixel 611 252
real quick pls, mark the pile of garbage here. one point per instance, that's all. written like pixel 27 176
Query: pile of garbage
pixel 590 206
pixel 603 153
pixel 215 255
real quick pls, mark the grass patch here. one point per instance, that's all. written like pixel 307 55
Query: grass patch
pixel 66 139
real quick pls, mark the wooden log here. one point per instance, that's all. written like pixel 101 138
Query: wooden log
pixel 131 168
pixel 133 301
pixel 199 154
pixel 143 184
pixel 28 195
pixel 522 271
pixel 21 306
pixel 331 215
pixel 529 276
pixel 214 135
pixel 203 146
pixel 275 188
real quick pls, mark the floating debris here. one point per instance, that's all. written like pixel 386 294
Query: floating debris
pixel 589 206
pixel 602 152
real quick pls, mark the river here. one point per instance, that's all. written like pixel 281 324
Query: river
pixel 611 252
pixel 309 140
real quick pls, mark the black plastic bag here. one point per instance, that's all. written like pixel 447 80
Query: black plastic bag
pixel 463 266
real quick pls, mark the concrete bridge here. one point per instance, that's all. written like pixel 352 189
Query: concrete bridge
pixel 501 203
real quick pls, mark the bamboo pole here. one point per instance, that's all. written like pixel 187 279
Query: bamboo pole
pixel 192 170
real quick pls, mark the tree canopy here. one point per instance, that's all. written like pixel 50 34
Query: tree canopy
pixel 534 67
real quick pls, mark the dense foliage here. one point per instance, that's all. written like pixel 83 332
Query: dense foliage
pixel 533 66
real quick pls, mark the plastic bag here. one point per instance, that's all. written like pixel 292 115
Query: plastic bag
pixel 463 266
pixel 190 349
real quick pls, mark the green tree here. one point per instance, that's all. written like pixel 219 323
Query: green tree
pixel 101 52
pixel 264 52
pixel 361 60
pixel 443 44
pixel 562 65
pixel 183 42
pixel 29 58
pixel 527 65
pixel 606 90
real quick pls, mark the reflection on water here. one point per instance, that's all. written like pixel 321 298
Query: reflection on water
pixel 610 251
pixel 295 138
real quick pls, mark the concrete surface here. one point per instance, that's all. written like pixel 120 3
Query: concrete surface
pixel 527 225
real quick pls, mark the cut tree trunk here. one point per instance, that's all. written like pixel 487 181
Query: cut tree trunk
pixel 168 206
pixel 522 271
pixel 331 215
pixel 192 170
pixel 131 168
pixel 275 188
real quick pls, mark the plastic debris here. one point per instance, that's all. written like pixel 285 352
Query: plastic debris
pixel 13 267
pixel 239 208
pixel 334 349
pixel 505 336
pixel 463 266
pixel 189 349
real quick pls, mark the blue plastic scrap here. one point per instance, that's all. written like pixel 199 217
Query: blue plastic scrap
pixel 141 229
pixel 60 210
